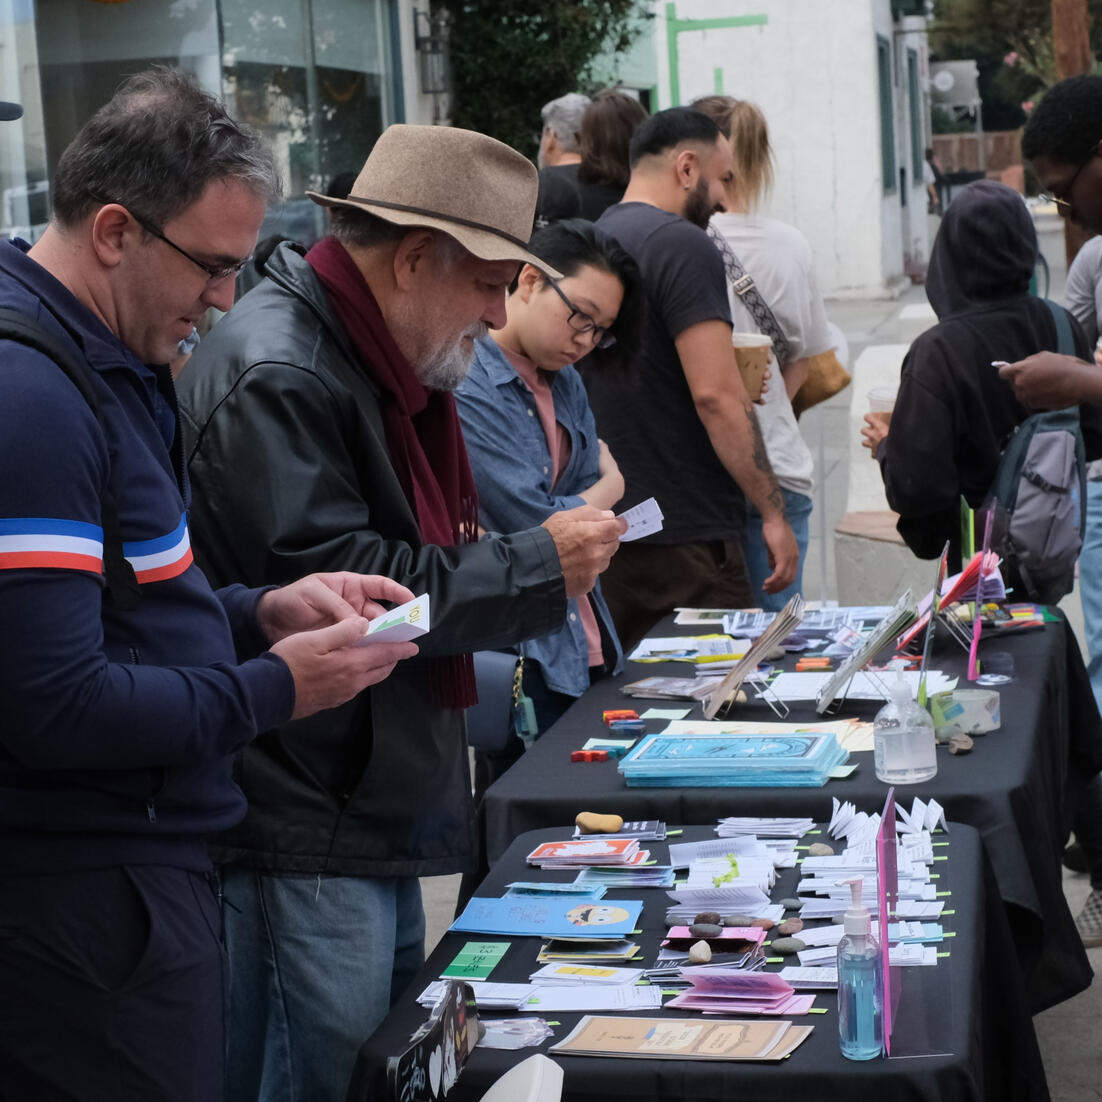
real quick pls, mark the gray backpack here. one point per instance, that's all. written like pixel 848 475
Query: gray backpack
pixel 1040 492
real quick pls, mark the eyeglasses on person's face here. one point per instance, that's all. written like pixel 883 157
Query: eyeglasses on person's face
pixel 1063 203
pixel 214 272
pixel 581 322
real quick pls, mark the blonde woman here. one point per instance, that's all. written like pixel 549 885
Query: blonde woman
pixel 778 260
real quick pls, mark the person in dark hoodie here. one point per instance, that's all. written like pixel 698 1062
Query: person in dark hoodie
pixel 953 414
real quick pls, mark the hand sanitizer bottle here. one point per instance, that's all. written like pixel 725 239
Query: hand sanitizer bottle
pixel 860 984
pixel 904 748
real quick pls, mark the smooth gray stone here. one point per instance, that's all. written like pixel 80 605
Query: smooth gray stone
pixel 787 945
pixel 739 920
pixel 792 904
pixel 705 929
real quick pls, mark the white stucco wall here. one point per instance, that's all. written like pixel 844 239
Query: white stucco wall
pixel 812 68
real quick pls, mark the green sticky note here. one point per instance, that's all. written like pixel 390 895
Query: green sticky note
pixel 942 955
pixel 948 933
pixel 939 843
pixel 816 831
pixel 553 1023
pixel 674 833
pixel 943 857
pixel 947 912
pixel 817 1010
pixel 671 991
pixel 476 960
pixel 774 960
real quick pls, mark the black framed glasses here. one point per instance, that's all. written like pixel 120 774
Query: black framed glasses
pixel 214 272
pixel 581 322
pixel 1059 200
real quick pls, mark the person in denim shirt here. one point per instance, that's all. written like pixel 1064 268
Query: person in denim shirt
pixel 531 436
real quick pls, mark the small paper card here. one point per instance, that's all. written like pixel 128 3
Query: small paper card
pixel 476 960
pixel 399 625
pixel 643 519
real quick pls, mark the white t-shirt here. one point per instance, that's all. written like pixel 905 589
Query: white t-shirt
pixel 778 258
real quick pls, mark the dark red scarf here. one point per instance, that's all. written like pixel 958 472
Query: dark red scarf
pixel 423 434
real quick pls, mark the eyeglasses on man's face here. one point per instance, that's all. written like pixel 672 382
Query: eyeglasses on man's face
pixel 214 272
pixel 581 322
pixel 1062 201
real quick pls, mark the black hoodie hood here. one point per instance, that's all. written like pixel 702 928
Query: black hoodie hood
pixel 984 251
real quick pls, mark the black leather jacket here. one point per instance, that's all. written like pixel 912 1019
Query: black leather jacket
pixel 289 462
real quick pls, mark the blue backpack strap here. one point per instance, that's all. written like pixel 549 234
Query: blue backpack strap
pixel 1065 339
pixel 119 578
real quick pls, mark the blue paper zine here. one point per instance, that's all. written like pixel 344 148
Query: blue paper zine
pixel 561 918
pixel 735 760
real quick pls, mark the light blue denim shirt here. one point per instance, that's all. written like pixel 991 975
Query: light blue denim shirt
pixel 512 467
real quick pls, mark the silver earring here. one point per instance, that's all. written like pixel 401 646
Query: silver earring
pixel 686 187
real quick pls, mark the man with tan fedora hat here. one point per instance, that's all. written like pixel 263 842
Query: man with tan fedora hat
pixel 324 436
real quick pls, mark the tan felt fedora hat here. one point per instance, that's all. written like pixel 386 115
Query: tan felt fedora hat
pixel 473 187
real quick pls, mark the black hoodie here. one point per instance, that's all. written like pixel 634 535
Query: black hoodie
pixel 954 414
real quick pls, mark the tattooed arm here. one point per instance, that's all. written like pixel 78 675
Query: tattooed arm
pixel 725 410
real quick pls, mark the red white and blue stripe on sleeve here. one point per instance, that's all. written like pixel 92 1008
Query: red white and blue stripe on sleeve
pixel 36 543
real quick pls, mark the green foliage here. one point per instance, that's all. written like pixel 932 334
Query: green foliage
pixel 992 31
pixel 509 57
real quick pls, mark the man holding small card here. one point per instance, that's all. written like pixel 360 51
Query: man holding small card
pixel 324 431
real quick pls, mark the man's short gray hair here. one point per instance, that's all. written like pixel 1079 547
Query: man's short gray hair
pixel 564 117
pixel 154 147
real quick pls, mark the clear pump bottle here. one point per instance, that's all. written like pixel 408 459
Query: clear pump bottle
pixel 860 984
pixel 904 748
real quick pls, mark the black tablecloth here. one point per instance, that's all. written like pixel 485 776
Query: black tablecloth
pixel 1018 787
pixel 963 1030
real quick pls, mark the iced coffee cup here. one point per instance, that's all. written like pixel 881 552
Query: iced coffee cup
pixel 752 352
pixel 882 399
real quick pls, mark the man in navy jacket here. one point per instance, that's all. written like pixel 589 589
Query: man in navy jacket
pixel 122 705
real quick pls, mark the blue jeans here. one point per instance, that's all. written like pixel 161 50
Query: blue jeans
pixel 798 507
pixel 1088 819
pixel 1090 585
pixel 315 964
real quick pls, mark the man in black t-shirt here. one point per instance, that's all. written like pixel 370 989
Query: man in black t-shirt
pixel 682 427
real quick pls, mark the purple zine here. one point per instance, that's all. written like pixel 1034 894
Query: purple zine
pixel 887 891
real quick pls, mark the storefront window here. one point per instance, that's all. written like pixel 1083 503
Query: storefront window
pixel 312 75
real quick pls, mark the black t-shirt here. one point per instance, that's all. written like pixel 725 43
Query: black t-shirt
pixel 648 418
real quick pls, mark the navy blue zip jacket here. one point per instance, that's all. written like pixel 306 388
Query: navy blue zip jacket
pixel 117 728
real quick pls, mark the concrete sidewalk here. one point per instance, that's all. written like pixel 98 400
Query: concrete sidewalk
pixel 1069 1033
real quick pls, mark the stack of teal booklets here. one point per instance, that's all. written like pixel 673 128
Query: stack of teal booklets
pixel 737 761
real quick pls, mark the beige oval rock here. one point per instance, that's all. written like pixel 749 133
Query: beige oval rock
pixel 700 952
pixel 589 822
pixel 820 849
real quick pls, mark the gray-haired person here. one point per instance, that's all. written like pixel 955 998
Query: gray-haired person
pixel 560 139
pixel 128 685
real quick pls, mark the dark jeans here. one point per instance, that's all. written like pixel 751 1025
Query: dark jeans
pixel 112 987
pixel 646 581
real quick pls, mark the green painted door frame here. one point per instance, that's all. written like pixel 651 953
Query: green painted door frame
pixel 675 27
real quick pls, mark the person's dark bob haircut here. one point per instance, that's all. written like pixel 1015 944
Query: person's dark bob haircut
pixel 1067 123
pixel 668 129
pixel 574 244
pixel 607 126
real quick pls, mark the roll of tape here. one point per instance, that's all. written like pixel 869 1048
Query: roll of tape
pixel 974 711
